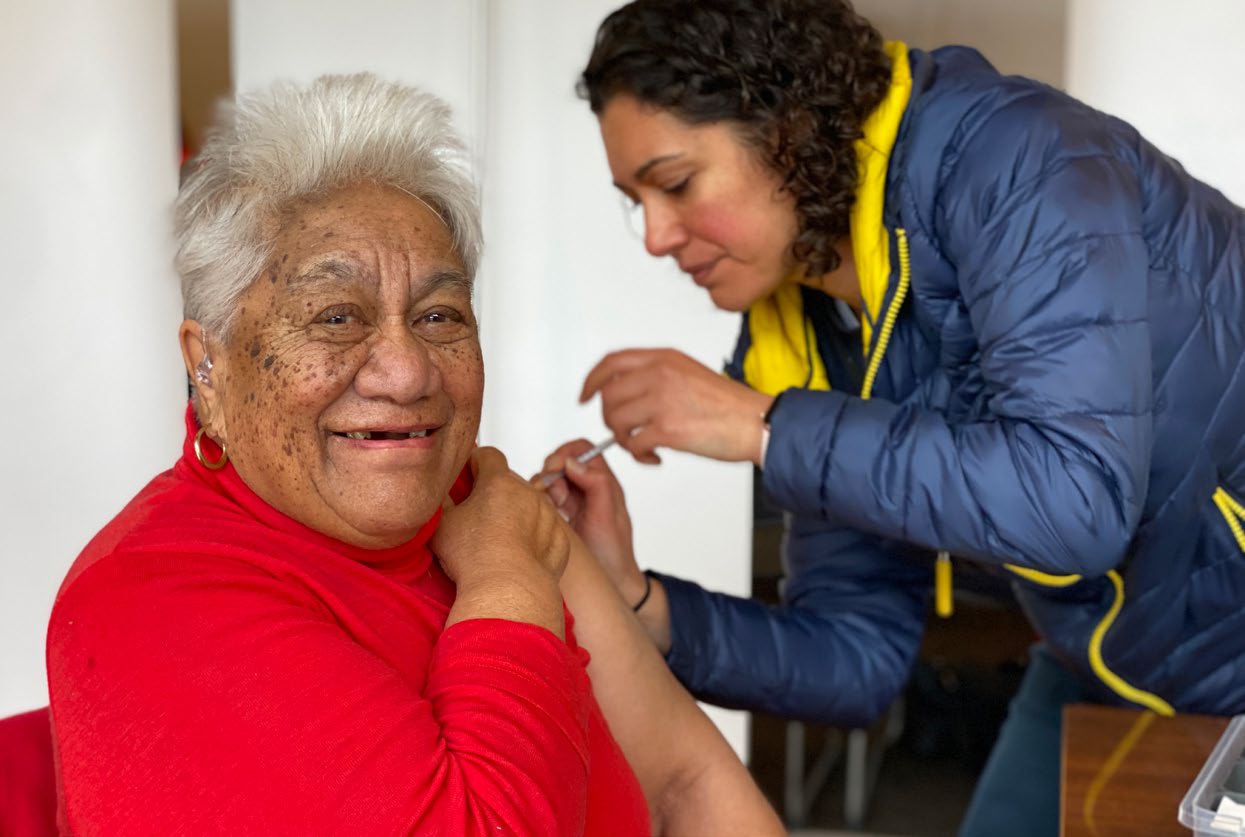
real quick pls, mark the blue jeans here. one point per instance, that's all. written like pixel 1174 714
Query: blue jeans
pixel 1017 794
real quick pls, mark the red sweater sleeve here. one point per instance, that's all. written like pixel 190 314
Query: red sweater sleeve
pixel 202 695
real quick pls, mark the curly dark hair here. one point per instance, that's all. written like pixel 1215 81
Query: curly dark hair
pixel 795 78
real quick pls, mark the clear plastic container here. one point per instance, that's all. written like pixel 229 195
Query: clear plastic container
pixel 1222 776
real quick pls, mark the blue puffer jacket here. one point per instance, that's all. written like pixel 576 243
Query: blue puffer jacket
pixel 1057 391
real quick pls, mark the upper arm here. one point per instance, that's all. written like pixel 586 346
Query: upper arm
pixel 688 771
pixel 1042 219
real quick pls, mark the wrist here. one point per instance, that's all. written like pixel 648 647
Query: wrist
pixel 523 579
pixel 637 585
pixel 638 605
pixel 518 597
pixel 746 426
pixel 762 432
pixel 654 615
pixel 767 423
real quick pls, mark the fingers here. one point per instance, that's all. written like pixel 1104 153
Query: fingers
pixel 550 478
pixel 486 461
pixel 588 476
pixel 558 491
pixel 640 423
pixel 563 463
pixel 570 504
pixel 629 401
pixel 491 464
pixel 630 419
pixel 573 448
pixel 661 398
pixel 643 448
pixel 565 499
pixel 491 469
pixel 556 461
pixel 639 388
pixel 636 401
pixel 505 527
pixel 576 489
pixel 617 363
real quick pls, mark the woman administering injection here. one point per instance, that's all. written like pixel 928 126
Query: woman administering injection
pixel 980 319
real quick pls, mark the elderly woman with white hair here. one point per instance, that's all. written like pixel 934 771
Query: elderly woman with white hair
pixel 295 630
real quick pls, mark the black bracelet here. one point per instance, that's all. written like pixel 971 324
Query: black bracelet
pixel 648 589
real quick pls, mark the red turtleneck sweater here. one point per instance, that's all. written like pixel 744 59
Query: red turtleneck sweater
pixel 216 667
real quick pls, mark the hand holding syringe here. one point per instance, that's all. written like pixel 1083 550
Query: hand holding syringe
pixel 550 478
pixel 591 500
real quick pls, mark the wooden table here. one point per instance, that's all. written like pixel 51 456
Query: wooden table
pixel 1124 772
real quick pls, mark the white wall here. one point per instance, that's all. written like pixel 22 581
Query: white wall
pixel 438 42
pixel 92 384
pixel 1023 37
pixel 1174 72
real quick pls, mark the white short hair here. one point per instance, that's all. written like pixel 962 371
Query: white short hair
pixel 271 148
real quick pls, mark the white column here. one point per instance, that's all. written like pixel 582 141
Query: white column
pixel 1173 71
pixel 92 383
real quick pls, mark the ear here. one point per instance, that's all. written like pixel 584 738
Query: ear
pixel 205 375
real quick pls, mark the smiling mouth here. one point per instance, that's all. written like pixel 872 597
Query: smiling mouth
pixel 387 435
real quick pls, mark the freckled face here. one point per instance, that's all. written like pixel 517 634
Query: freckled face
pixel 708 200
pixel 350 390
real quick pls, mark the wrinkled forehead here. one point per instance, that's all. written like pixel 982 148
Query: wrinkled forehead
pixel 362 233
pixel 368 206
pixel 344 268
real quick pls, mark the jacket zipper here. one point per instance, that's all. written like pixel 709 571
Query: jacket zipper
pixel 942 565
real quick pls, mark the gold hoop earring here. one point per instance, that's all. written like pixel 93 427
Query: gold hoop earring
pixel 211 466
